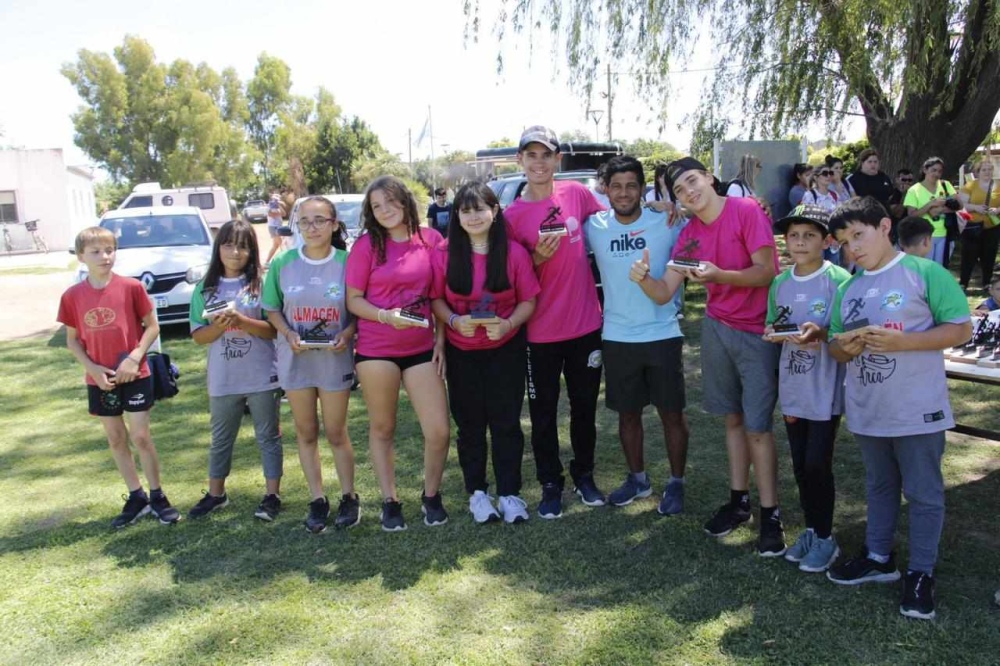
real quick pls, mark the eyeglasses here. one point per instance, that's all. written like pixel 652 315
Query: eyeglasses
pixel 824 172
pixel 906 180
pixel 315 223
pixel 233 247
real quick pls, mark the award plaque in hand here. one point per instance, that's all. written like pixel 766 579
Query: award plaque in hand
pixel 484 311
pixel 316 337
pixel 685 259
pixel 781 327
pixel 218 308
pixel 412 313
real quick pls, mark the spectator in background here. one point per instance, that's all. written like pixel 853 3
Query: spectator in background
pixel 837 183
pixel 822 195
pixel 744 185
pixel 904 181
pixel 981 199
pixel 801 180
pixel 275 213
pixel 927 199
pixel 868 180
pixel 439 212
pixel 599 189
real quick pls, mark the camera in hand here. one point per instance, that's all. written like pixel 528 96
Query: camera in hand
pixel 953 204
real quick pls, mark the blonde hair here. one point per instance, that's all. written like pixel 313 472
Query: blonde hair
pixel 93 236
pixel 748 170
pixel 976 166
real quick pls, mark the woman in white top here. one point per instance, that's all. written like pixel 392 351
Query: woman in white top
pixel 821 193
pixel 746 179
pixel 837 183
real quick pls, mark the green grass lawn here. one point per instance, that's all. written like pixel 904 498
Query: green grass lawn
pixel 600 586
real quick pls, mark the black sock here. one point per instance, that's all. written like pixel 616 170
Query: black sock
pixel 768 512
pixel 740 498
pixel 156 492
pixel 138 492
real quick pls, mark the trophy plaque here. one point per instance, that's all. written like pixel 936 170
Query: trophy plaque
pixel 218 308
pixel 783 329
pixel 316 337
pixel 483 312
pixel 412 313
pixel 685 259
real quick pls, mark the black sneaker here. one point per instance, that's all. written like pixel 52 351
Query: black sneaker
pixel 392 516
pixel 918 596
pixel 772 537
pixel 207 505
pixel 268 508
pixel 433 510
pixel 727 519
pixel 319 511
pixel 862 569
pixel 136 506
pixel 550 507
pixel 588 491
pixel 160 506
pixel 348 513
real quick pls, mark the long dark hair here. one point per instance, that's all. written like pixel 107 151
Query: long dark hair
pixel 396 190
pixel 241 234
pixel 338 239
pixel 658 173
pixel 471 196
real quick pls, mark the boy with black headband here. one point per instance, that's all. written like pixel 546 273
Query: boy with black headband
pixel 729 247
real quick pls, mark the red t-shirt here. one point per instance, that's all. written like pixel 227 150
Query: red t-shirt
pixel 406 278
pixel 740 230
pixel 524 287
pixel 108 321
pixel 567 305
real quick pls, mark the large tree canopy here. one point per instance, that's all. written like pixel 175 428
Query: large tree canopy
pixel 924 75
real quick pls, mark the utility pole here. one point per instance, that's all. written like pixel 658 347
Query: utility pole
pixel 610 97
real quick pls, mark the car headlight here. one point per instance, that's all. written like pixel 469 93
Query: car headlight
pixel 195 273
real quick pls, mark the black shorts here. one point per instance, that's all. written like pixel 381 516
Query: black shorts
pixel 135 396
pixel 637 374
pixel 402 362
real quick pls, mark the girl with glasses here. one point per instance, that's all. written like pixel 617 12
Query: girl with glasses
pixel 837 183
pixel 305 298
pixel 389 288
pixel 227 317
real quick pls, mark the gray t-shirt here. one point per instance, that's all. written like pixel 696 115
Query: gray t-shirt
pixel 895 394
pixel 238 363
pixel 810 381
pixel 312 296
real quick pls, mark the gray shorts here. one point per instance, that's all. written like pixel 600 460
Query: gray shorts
pixel 739 374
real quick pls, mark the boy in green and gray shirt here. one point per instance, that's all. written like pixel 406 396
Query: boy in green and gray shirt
pixel 891 322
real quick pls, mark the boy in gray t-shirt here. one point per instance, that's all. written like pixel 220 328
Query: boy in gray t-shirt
pixel 810 381
pixel 890 323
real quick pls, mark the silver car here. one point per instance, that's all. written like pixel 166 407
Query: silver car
pixel 168 249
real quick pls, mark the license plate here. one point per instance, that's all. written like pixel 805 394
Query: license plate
pixel 161 302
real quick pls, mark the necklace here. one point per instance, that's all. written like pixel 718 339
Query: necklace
pixel 480 246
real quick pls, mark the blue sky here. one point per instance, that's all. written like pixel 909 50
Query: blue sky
pixel 385 61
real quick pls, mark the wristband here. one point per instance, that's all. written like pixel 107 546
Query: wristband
pixel 451 320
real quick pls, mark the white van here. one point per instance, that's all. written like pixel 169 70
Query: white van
pixel 209 197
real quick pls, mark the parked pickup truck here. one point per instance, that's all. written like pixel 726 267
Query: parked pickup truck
pixel 255 211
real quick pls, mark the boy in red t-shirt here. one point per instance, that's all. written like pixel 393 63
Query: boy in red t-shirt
pixel 110 325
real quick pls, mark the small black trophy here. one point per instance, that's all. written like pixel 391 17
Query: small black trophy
pixel 783 329
pixel 685 258
pixel 412 314
pixel 483 312
pixel 551 226
pixel 982 345
pixel 316 337
pixel 218 308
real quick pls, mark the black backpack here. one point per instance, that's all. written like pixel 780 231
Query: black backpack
pixel 164 375
pixel 722 188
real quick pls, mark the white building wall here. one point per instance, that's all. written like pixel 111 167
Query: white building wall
pixel 45 190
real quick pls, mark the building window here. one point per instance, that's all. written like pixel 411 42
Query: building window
pixel 8 208
pixel 203 200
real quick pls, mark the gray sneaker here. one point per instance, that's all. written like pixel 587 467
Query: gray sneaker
pixel 801 547
pixel 632 489
pixel 673 499
pixel 822 554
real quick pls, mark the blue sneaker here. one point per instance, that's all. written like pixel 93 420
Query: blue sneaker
pixel 821 555
pixel 801 547
pixel 588 491
pixel 632 489
pixel 550 507
pixel 673 499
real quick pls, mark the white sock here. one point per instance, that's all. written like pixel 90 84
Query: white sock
pixel 881 559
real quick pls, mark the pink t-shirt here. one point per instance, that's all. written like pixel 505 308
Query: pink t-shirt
pixel 406 279
pixel 740 230
pixel 567 306
pixel 523 283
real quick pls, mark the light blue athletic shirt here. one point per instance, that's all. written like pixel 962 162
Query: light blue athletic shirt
pixel 630 315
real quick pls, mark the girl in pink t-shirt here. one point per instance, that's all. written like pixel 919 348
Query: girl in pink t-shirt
pixel 486 288
pixel 390 279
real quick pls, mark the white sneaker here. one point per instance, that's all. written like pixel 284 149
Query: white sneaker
pixel 513 508
pixel 481 507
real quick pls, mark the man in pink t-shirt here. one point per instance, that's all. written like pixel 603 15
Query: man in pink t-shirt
pixel 730 245
pixel 564 333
